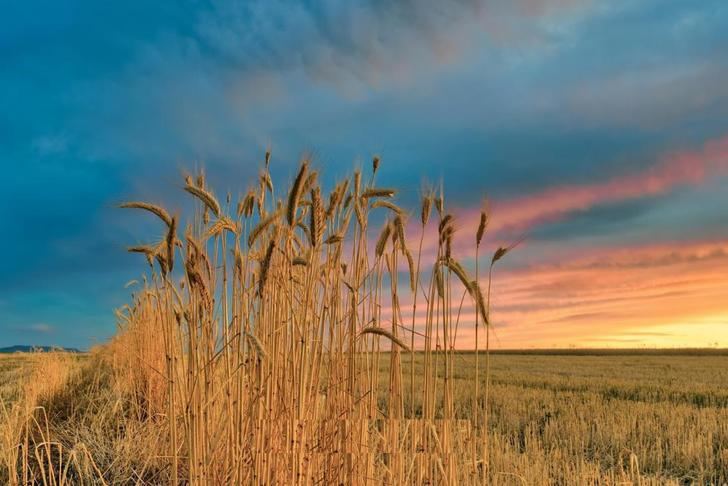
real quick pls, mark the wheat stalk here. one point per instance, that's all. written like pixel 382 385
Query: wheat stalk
pixel 295 193
pixel 383 332
pixel 206 197
pixel 377 192
pixel 159 211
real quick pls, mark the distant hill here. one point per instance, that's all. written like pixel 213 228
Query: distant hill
pixel 27 349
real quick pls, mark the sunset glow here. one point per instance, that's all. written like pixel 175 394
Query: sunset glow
pixel 671 295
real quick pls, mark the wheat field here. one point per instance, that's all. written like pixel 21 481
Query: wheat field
pixel 288 336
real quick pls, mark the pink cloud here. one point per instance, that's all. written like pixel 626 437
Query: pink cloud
pixel 518 214
pixel 677 169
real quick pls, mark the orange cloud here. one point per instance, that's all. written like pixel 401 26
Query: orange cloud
pixel 668 294
pixel 617 292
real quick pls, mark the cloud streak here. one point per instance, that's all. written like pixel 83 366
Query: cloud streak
pixel 36 328
pixel 365 41
pixel 608 291
pixel 672 293
pixel 518 215
pixel 673 170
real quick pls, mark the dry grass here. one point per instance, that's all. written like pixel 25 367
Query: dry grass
pixel 259 351
pixel 35 378
pixel 601 419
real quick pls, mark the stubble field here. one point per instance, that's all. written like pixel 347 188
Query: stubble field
pixel 618 417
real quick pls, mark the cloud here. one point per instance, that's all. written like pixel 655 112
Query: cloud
pixel 613 291
pixel 42 328
pixel 653 97
pixel 657 292
pixel 50 145
pixel 673 170
pixel 647 334
pixel 38 328
pixel 517 215
pixel 671 292
pixel 365 41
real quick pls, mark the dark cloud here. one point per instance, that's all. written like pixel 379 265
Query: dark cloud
pixel 597 220
pixel 363 41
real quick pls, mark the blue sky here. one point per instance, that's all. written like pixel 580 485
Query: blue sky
pixel 523 100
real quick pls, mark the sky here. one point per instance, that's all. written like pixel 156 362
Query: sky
pixel 598 130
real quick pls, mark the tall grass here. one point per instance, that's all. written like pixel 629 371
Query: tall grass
pixel 258 338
